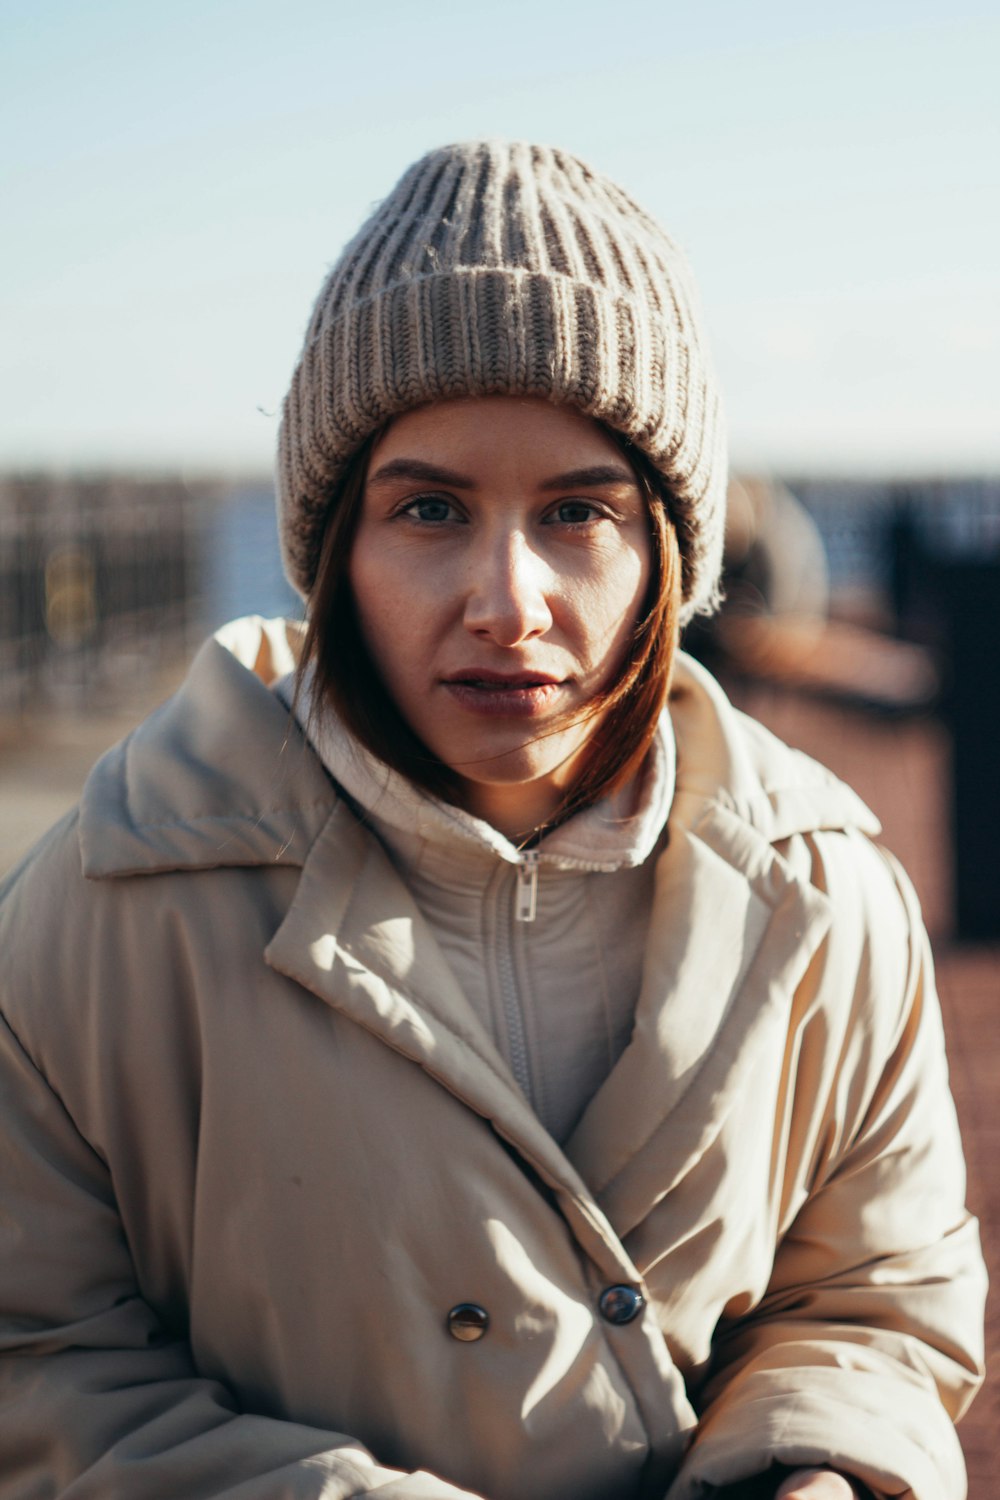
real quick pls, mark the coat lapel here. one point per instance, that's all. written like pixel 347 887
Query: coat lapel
pixel 731 933
pixel 356 938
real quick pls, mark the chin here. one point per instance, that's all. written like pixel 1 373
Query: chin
pixel 519 767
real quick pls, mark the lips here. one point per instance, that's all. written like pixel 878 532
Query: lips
pixel 484 677
pixel 517 694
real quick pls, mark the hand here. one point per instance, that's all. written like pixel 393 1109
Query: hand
pixel 815 1484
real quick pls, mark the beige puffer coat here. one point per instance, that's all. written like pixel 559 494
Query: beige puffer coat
pixel 256 1150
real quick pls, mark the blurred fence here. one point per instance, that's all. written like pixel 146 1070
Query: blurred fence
pixel 99 578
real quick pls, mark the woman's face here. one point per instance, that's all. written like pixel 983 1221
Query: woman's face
pixel 500 562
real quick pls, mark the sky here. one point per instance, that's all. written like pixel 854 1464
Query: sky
pixel 176 180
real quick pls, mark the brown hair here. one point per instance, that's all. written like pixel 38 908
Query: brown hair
pixel 346 680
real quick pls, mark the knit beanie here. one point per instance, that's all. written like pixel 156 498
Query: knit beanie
pixel 508 269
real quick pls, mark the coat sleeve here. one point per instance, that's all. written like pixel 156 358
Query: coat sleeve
pixel 867 1345
pixel 96 1400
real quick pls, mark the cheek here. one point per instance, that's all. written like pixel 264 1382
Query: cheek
pixel 375 603
pixel 391 614
pixel 611 605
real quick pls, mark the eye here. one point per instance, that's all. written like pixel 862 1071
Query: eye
pixel 576 512
pixel 431 509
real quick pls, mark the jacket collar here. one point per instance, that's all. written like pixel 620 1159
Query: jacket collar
pixel 729 762
pixel 432 840
pixel 355 937
pixel 731 933
pixel 220 776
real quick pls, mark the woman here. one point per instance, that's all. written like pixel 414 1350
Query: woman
pixel 510 1085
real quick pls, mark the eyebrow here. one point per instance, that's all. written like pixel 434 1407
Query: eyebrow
pixel 591 478
pixel 415 468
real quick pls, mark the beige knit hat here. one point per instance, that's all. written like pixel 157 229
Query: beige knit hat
pixel 497 268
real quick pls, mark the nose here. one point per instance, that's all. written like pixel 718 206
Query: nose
pixel 507 600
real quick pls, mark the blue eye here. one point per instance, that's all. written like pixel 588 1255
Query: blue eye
pixel 576 512
pixel 429 508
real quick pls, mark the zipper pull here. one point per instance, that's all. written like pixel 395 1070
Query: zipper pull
pixel 527 887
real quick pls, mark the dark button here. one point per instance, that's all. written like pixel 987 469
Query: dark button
pixel 468 1322
pixel 620 1304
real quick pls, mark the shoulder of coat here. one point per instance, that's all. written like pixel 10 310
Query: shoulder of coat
pixel 219 775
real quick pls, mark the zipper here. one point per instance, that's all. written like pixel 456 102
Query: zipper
pixel 521 909
pixel 526 893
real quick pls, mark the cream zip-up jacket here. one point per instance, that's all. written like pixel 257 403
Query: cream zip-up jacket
pixel 263 1170
pixel 546 946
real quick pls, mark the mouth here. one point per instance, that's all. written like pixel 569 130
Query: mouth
pixel 519 694
pixel 483 677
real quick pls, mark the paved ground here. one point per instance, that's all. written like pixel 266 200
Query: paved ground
pixel 900 768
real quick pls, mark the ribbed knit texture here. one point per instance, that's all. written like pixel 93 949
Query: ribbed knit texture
pixel 497 268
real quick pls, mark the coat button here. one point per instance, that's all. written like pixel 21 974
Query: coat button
pixel 620 1304
pixel 468 1322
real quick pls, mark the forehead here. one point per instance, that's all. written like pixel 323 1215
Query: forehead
pixel 496 429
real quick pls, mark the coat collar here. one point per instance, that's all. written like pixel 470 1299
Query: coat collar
pixel 355 937
pixel 220 776
pixel 731 933
pixel 619 832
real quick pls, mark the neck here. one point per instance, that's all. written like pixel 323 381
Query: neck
pixel 518 811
